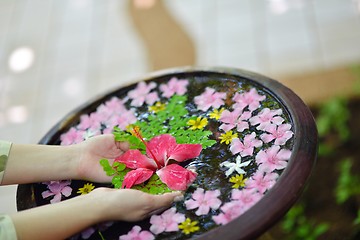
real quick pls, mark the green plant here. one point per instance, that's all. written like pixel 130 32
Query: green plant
pixel 347 184
pixel 332 124
pixel 298 227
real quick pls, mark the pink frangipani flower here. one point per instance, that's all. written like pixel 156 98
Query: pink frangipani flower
pixel 234 119
pixel 142 93
pixel 266 117
pixel 229 211
pixel 209 98
pixel 262 181
pixel 245 148
pixel 57 189
pixel 122 121
pixel 280 133
pixel 246 197
pixel 250 99
pixel 229 119
pixel 136 234
pixel 203 201
pixel 168 221
pixel 174 86
pixel 159 151
pixel 72 136
pixel 272 158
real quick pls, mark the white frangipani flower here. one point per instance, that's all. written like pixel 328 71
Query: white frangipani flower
pixel 237 166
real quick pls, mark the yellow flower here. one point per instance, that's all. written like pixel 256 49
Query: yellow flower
pixel 88 187
pixel 189 226
pixel 238 180
pixel 216 113
pixel 198 123
pixel 157 107
pixel 228 137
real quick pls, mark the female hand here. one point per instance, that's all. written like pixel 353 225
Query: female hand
pixel 131 205
pixel 91 151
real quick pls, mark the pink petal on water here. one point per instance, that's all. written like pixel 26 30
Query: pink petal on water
pixel 176 177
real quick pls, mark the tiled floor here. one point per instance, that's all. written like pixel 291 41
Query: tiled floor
pixel 84 48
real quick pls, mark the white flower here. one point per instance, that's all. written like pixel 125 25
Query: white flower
pixel 235 166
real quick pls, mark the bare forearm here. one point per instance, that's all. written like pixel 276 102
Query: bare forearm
pixel 37 163
pixel 58 221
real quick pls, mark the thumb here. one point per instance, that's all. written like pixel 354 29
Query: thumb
pixel 162 202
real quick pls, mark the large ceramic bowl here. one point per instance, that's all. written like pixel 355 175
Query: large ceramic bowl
pixel 265 111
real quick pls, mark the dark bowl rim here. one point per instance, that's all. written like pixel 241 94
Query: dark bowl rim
pixel 280 197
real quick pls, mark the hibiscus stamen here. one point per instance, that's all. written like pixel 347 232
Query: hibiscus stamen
pixel 136 132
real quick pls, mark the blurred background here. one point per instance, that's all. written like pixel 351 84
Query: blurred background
pixel 55 55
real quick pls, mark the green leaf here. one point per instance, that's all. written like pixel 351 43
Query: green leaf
pixel 121 167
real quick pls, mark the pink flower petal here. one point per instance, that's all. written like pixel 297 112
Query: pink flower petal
pixel 159 147
pixel 135 177
pixel 183 152
pixel 135 159
pixel 176 177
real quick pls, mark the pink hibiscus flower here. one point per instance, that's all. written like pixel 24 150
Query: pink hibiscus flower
pixel 203 200
pixel 57 189
pixel 266 117
pixel 136 234
pixel 245 148
pixel 168 221
pixel 234 119
pixel 249 99
pixel 209 98
pixel 72 136
pixel 174 86
pixel 142 94
pixel 159 151
pixel 246 197
pixel 272 158
pixel 229 211
pixel 261 181
pixel 280 133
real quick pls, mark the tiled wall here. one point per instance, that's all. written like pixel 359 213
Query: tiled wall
pixel 84 48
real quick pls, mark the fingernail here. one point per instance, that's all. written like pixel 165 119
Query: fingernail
pixel 179 198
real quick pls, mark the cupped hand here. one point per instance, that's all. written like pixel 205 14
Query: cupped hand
pixel 131 205
pixel 91 151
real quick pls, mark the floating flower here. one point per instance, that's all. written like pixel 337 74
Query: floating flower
pixel 159 151
pixel 272 158
pixel 73 136
pixel 142 94
pixel 88 187
pixel 233 119
pixel 57 189
pixel 246 197
pixel 250 99
pixel 216 113
pixel 189 226
pixel 198 123
pixel 89 122
pixel 262 181
pixel 157 107
pixel 266 117
pixel 227 137
pixel 122 121
pixel 166 222
pixel 245 148
pixel 174 86
pixel 209 99
pixel 229 119
pixel 280 133
pixel 238 180
pixel 229 211
pixel 136 233
pixel 203 200
pixel 237 166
